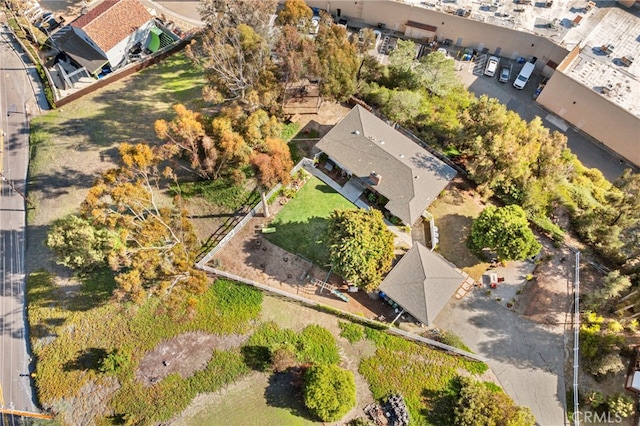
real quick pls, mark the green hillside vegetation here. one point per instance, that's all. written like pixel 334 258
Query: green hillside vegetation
pixel 70 345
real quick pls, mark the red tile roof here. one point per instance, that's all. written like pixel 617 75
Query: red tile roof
pixel 112 21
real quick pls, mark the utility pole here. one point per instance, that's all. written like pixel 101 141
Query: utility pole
pixel 576 338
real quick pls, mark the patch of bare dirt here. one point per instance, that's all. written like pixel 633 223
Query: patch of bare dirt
pixel 184 354
pixel 253 257
pixel 90 402
pixel 547 298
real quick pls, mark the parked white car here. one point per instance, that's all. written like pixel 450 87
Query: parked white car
pixel 314 25
pixel 492 66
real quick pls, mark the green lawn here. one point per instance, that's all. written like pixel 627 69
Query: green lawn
pixel 302 223
pixel 250 402
pixel 422 375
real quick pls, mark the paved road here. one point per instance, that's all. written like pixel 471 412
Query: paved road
pixel 526 357
pixel 16 98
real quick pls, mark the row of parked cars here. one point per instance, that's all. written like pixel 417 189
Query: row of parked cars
pixel 493 63
pixel 39 17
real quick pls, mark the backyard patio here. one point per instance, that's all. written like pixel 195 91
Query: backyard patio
pixel 294 254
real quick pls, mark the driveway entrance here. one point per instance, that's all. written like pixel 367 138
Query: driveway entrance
pixel 526 357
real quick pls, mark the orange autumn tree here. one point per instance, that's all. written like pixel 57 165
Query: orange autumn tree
pixel 273 165
pixel 186 135
pixel 155 254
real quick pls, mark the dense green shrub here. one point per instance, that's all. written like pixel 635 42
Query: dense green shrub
pixel 241 301
pixel 594 398
pixel 114 362
pixel 350 331
pixel 620 405
pixel 329 391
pixel 478 404
pixel 79 245
pixel 314 345
pixel 504 230
pixel 317 346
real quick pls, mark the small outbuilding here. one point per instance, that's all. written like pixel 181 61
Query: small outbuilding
pixel 421 283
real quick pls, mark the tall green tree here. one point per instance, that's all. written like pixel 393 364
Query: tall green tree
pixel 79 245
pixel 402 61
pixel 436 73
pixel 504 230
pixel 329 391
pixel 506 155
pixel 338 62
pixel 360 246
pixel 403 106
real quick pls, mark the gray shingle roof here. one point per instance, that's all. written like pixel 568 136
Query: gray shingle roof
pixel 422 282
pixel 412 178
pixel 80 51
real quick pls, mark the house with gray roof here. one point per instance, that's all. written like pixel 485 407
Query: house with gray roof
pixel 385 161
pixel 422 282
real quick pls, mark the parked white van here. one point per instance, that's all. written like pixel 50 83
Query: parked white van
pixel 492 66
pixel 523 77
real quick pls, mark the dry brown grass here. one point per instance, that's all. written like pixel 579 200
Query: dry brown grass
pixel 454 212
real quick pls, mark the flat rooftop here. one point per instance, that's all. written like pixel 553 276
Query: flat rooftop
pixel 569 23
pixel 601 64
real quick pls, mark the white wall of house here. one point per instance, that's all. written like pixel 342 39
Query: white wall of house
pixel 118 52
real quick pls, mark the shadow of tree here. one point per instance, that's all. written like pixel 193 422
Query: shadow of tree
pixel 441 404
pixel 306 238
pixel 256 357
pixel 284 391
pixel 95 290
pixel 63 181
pixel 87 359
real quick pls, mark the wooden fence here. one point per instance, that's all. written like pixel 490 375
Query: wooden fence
pixel 369 322
pixel 257 208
